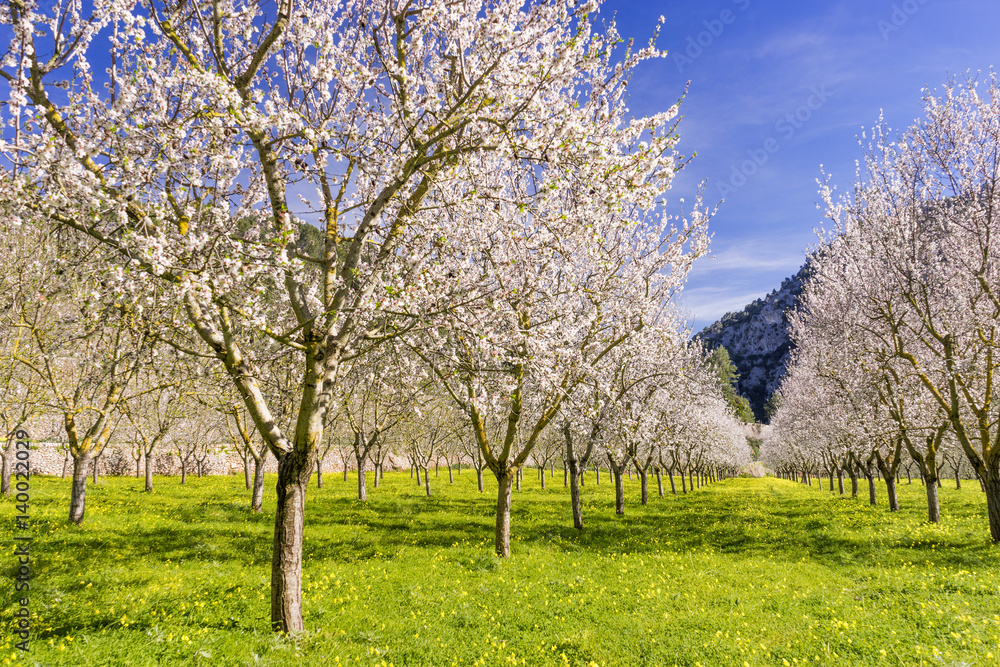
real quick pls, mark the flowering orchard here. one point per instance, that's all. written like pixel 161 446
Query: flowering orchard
pixel 350 211
pixel 898 331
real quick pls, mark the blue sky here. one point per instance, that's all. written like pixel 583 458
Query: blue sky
pixel 788 85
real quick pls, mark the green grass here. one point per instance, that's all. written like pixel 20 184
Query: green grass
pixel 750 571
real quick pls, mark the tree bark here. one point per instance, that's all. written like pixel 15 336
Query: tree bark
pixel 246 472
pixel 184 471
pixel 479 479
pixel 659 481
pixel 65 464
pixel 286 560
pixel 541 472
pixel 871 487
pixel 257 496
pixel 991 484
pixel 619 491
pixel 97 460
pixel 574 494
pixel 427 481
pixel 684 488
pixel 673 484
pixel 319 473
pixel 363 487
pixel 504 484
pixel 78 495
pixel 644 486
pixel 8 460
pixel 451 475
pixel 933 503
pixel 890 492
pixel 840 481
pixel 149 474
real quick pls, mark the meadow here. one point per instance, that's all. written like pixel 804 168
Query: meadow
pixel 742 572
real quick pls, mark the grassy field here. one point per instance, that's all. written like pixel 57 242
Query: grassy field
pixel 744 572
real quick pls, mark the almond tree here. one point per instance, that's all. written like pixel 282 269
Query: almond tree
pixel 921 224
pixel 79 344
pixel 241 434
pixel 156 407
pixel 219 113
pixel 562 283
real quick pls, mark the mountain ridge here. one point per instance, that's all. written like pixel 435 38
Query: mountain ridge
pixel 757 339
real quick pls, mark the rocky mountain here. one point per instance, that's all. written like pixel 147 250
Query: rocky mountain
pixel 757 340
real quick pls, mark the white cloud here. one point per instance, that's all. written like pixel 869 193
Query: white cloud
pixel 705 305
pixel 752 255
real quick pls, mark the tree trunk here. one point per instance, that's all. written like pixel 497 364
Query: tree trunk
pixel 933 504
pixel 854 482
pixel 8 465
pixel 619 491
pixel 991 484
pixel 138 467
pixel 541 473
pixel 78 495
pixel 363 487
pixel 574 495
pixel 840 481
pixel 257 496
pixel 451 476
pixel 517 478
pixel 246 472
pixel 65 464
pixel 691 479
pixel 659 481
pixel 597 475
pixel 427 481
pixel 831 481
pixel 319 473
pixel 504 483
pixel 958 480
pixel 684 488
pixel 286 559
pixel 479 479
pixel 149 473
pixel 890 492
pixel 184 471
pixel 96 461
pixel 565 475
pixel 673 484
pixel 644 486
pixel 871 487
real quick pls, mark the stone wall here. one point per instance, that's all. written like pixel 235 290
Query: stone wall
pixel 48 458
